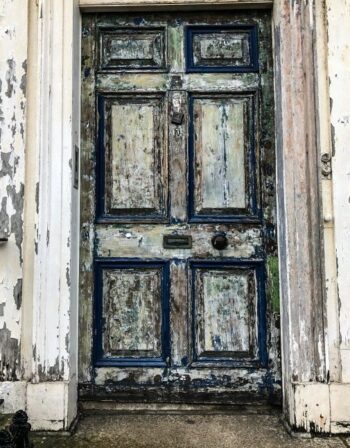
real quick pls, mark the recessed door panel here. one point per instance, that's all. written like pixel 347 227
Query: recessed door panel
pixel 221 159
pixel 225 303
pixel 131 313
pixel 132 49
pixel 133 158
pixel 222 49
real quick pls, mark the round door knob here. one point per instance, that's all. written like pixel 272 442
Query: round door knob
pixel 219 241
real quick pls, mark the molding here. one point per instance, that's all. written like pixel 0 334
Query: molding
pixel 120 5
pixel 299 235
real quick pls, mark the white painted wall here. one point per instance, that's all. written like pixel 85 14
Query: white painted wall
pixel 13 66
pixel 338 21
pixel 339 88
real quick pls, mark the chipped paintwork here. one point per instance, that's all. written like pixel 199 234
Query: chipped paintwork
pixel 273 289
pixel 132 312
pixel 143 195
pixel 339 79
pixel 13 68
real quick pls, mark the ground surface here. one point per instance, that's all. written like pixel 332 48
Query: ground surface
pixel 185 431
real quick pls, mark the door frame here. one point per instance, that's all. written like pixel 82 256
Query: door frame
pixel 55 113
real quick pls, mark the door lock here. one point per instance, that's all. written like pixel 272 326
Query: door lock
pixel 219 241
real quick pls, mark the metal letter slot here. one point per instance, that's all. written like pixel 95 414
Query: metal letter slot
pixel 177 242
pixel 177 118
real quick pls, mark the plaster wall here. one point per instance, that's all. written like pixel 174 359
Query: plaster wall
pixel 13 68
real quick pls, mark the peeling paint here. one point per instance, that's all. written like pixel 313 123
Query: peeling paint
pixel 13 55
pixel 17 293
pixel 16 219
pixel 11 77
pixel 146 197
pixel 9 355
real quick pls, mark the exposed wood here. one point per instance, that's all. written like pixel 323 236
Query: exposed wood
pixel 298 200
pixel 224 313
pixel 132 312
pixel 178 156
pixel 146 240
pixel 220 146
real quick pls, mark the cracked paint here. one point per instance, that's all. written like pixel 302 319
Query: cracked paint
pixel 13 67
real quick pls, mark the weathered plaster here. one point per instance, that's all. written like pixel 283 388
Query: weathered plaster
pixel 339 87
pixel 13 66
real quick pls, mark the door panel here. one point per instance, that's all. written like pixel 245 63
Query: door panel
pixel 178 208
pixel 223 133
pixel 132 307
pixel 133 153
pixel 222 48
pixel 132 49
pixel 223 310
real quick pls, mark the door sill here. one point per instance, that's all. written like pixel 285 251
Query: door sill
pixel 110 406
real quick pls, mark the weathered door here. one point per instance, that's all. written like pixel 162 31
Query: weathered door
pixel 178 255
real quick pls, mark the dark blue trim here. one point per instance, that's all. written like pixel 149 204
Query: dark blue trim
pixel 253 49
pixel 121 263
pixel 102 217
pixel 239 362
pixel 253 213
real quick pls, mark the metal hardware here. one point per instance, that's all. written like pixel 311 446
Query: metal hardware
pixel 219 241
pixel 326 161
pixel 176 82
pixel 177 118
pixel 177 242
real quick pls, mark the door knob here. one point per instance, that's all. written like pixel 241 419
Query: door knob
pixel 219 241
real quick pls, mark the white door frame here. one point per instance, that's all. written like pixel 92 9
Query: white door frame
pixel 50 342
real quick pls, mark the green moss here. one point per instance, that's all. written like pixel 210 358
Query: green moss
pixel 273 287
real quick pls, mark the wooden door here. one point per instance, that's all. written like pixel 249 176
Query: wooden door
pixel 179 300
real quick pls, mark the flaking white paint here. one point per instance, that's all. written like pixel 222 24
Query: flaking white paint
pixel 13 55
pixel 339 86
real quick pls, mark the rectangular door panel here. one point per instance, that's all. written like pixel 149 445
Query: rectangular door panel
pixel 131 313
pixel 132 49
pixel 132 166
pixel 226 326
pixel 222 160
pixel 222 49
